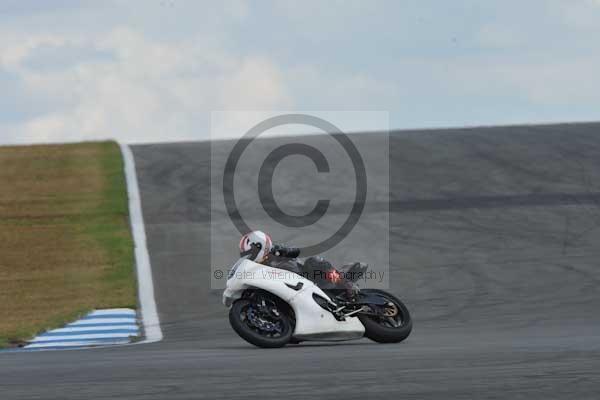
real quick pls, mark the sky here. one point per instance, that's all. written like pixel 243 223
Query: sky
pixel 154 70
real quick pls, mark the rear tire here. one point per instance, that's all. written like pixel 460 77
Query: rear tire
pixel 376 328
pixel 243 326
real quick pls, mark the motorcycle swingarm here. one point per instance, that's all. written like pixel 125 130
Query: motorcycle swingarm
pixel 371 299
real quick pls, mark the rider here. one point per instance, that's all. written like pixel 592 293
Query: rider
pixel 258 247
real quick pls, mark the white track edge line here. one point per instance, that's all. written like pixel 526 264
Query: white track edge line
pixel 149 311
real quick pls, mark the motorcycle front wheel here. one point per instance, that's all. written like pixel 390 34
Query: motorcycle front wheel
pixel 389 323
pixel 261 321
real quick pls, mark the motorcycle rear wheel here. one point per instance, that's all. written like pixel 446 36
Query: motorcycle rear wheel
pixel 384 329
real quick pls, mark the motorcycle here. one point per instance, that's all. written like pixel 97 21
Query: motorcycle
pixel 271 307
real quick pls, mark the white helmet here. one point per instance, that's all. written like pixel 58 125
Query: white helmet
pixel 256 245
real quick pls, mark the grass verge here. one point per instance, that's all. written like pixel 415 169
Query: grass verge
pixel 65 243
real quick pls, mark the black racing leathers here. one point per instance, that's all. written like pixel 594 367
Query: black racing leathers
pixel 315 269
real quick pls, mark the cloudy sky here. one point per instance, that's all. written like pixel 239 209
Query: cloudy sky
pixel 153 70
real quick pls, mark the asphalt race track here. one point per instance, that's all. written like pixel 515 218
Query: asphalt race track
pixel 495 245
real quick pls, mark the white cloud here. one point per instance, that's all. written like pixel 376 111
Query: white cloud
pixel 234 124
pixel 345 91
pixel 256 84
pixel 159 90
pixel 580 15
pixel 533 79
pixel 497 36
pixel 155 72
pixel 15 46
pixel 149 91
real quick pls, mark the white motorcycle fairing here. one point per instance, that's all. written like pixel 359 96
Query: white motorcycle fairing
pixel 312 321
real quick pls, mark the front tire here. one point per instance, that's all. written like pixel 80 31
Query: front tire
pixel 387 329
pixel 260 327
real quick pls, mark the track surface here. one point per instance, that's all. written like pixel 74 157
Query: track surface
pixel 495 247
